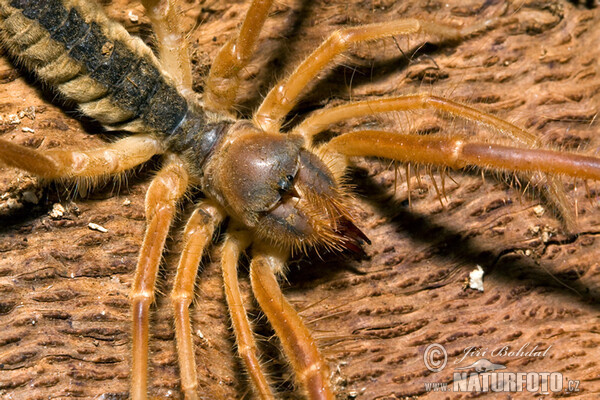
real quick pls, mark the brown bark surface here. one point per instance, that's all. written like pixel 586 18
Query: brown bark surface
pixel 64 311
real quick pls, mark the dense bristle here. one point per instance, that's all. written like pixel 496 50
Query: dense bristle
pixel 333 222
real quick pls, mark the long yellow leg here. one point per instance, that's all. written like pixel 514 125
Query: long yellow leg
pixel 309 367
pixel 198 232
pixel 235 243
pixel 166 189
pixel 457 152
pixel 282 98
pixel 322 119
pixel 52 164
pixel 223 80
pixel 172 46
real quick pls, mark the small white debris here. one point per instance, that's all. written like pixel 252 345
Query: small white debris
pixel 199 334
pixel 29 196
pixel 12 203
pixel 126 202
pixel 14 119
pixel 97 227
pixel 476 278
pixel 546 236
pixel 29 112
pixel 57 211
pixel 539 210
pixel 27 129
pixel 133 17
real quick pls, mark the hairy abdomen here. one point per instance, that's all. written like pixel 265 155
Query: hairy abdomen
pixel 72 46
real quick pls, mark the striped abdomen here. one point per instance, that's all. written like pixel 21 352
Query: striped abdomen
pixel 72 46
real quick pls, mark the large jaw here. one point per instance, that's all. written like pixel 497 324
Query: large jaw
pixel 313 212
pixel 282 192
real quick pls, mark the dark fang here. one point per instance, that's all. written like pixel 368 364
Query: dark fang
pixel 352 237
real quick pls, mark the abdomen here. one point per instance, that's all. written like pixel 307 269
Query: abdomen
pixel 74 48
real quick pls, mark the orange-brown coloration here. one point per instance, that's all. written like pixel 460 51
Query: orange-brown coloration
pixel 198 232
pixel 285 94
pixel 234 245
pixel 302 344
pixel 224 78
pixel 310 369
pixel 172 44
pixel 67 164
pixel 455 152
pixel 166 189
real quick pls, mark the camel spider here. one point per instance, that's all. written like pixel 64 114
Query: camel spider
pixel 231 227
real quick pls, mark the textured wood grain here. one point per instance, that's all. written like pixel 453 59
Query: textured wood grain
pixel 64 313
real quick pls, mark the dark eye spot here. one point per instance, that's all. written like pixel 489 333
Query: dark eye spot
pixel 285 184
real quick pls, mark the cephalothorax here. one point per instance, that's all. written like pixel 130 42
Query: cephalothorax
pixel 282 191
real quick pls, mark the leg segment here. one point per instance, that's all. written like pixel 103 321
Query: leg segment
pixel 282 98
pixel 166 189
pixel 223 80
pixel 51 164
pixel 172 46
pixel 320 120
pixel 455 152
pixel 198 232
pixel 235 243
pixel 310 368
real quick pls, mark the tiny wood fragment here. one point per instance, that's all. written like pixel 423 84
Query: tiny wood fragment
pixel 64 309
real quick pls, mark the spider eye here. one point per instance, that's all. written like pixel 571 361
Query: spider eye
pixel 285 184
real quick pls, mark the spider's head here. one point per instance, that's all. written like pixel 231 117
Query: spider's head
pixel 284 193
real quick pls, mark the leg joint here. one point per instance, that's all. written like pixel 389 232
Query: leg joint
pixel 142 296
pixel 181 297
